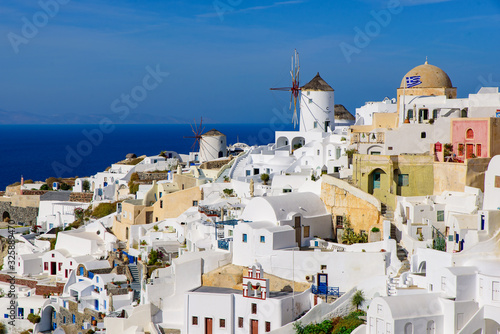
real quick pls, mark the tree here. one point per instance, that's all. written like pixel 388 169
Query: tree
pixel 65 186
pixel 86 185
pixel 44 187
pixel 264 178
pixel 3 329
pixel 358 298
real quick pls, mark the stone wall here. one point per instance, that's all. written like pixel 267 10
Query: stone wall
pixel 81 197
pixel 18 214
pixel 39 289
pixel 144 176
pixel 454 176
pixel 342 199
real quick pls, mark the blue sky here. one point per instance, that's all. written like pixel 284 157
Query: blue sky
pixel 222 61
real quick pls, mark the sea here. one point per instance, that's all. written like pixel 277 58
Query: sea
pixel 38 152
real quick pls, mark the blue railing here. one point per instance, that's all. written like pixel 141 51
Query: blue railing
pixel 326 290
pixel 224 243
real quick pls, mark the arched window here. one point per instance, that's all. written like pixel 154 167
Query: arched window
pixel 469 134
pixel 409 328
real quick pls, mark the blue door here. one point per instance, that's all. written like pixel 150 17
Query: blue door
pixel 482 222
pixel 96 302
pixel 322 284
pixel 376 180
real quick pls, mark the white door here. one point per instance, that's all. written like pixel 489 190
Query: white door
pixel 496 291
pixel 380 326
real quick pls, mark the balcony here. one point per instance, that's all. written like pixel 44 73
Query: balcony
pixel 368 138
pixel 224 243
pixel 326 290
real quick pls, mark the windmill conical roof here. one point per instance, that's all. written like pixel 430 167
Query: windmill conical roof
pixel 317 84
pixel 212 133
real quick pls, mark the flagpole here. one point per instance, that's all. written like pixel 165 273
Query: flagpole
pixel 404 104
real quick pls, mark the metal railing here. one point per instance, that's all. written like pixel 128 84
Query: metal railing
pixel 327 290
pixel 224 243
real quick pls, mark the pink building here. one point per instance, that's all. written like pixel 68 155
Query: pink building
pixel 475 137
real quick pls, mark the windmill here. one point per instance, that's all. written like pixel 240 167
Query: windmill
pixel 294 72
pixel 197 131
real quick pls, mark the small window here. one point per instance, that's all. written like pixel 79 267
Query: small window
pixel 46 264
pixel 161 194
pixel 323 267
pixel 435 113
pixel 403 180
pixel 195 321
pixel 306 231
pixel 315 123
pixel 240 322
pixel 419 230
pixel 317 152
pixel 222 323
pixel 338 153
pixel 497 181
pixel 423 135
pixel 310 101
pixel 340 221
pixel 73 318
pixel 440 215
pixel 478 150
pixel 247 173
pixel 262 239
pixel 195 203
pixel 161 204
pixel 469 134
pixel 254 308
pixel 389 148
pixel 244 239
pixel 410 113
pixel 268 326
pixel 53 255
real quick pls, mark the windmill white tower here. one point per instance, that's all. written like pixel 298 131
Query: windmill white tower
pixel 317 106
pixel 213 145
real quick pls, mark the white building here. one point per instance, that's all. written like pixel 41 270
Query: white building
pixel 254 310
pixel 364 114
pixel 305 213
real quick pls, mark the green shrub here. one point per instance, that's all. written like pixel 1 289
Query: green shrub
pixel 375 230
pixel 264 178
pixel 104 209
pixel 65 186
pixel 152 257
pixel 86 185
pixel 228 192
pixel 45 187
pixel 33 318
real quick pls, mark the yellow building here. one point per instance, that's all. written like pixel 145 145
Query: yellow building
pixel 388 176
pixel 163 200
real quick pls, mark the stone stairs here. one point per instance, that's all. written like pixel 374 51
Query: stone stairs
pixel 136 282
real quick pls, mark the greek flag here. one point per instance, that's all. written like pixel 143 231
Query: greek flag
pixel 413 81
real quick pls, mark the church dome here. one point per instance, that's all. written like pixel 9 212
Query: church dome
pixel 431 77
